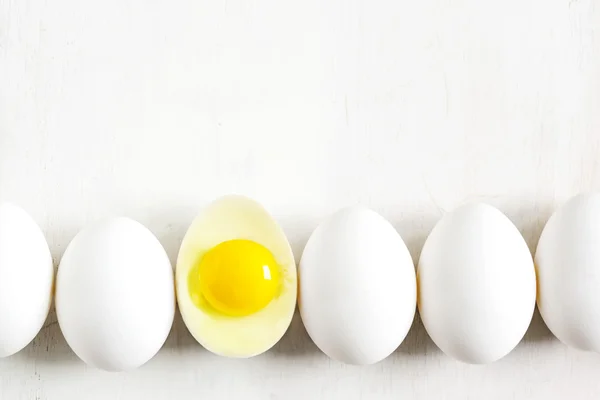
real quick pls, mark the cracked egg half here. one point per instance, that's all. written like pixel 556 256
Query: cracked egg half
pixel 236 278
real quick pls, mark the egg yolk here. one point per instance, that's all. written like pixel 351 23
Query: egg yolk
pixel 237 277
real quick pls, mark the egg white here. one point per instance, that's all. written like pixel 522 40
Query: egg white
pixel 236 217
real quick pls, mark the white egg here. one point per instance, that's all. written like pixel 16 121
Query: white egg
pixel 568 267
pixel 357 293
pixel 26 279
pixel 115 297
pixel 477 284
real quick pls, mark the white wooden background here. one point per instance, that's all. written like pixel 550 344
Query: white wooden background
pixel 151 109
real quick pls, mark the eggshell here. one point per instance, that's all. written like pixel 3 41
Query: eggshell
pixel 568 266
pixel 477 284
pixel 357 280
pixel 115 297
pixel 26 279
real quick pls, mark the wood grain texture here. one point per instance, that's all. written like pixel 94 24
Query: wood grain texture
pixel 151 109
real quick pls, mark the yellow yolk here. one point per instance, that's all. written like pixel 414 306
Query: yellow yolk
pixel 237 277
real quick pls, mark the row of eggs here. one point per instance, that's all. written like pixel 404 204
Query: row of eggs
pixel 237 286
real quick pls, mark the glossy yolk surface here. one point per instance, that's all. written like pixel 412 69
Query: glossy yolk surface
pixel 237 277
